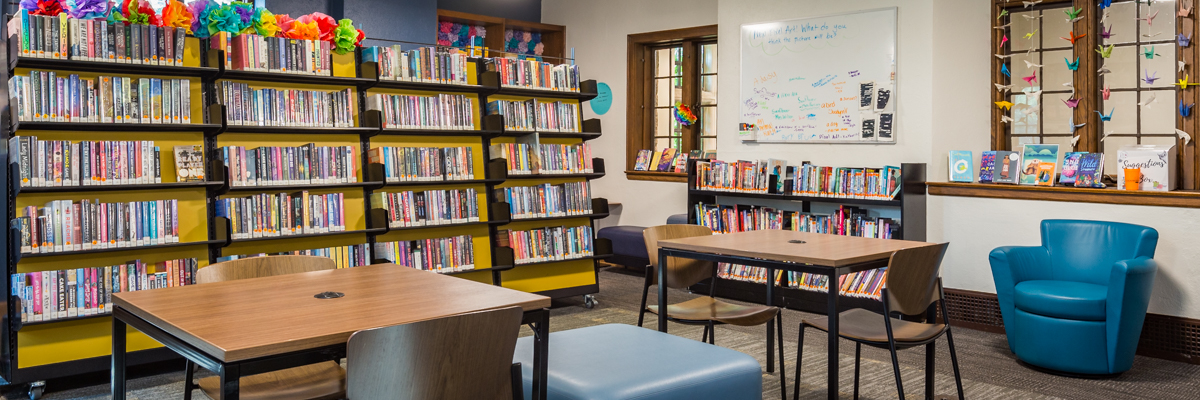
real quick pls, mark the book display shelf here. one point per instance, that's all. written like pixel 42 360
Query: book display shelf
pixel 41 350
pixel 909 205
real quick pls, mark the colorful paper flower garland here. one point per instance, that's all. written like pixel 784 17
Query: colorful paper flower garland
pixel 459 35
pixel 204 18
pixel 521 42
pixel 684 114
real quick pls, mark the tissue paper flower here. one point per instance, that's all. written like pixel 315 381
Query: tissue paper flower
pixel 176 14
pixel 89 9
pixel 345 36
pixel 522 48
pixel 145 9
pixel 444 27
pixel 129 9
pixel 285 23
pixel 538 49
pixel 301 30
pixel 324 23
pixel 265 23
pixel 537 38
pixel 508 35
pixel 480 31
pixel 42 7
pixel 200 11
pixel 245 13
pixel 223 19
pixel 443 42
pixel 528 36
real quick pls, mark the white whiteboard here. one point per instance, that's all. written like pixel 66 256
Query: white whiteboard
pixel 826 79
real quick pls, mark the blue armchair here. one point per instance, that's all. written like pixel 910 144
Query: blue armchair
pixel 1076 303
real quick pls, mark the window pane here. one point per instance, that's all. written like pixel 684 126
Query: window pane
pixel 1163 62
pixel 1055 69
pixel 708 58
pixel 677 90
pixel 1124 66
pixel 1018 141
pixel 1054 25
pixel 677 55
pixel 1164 23
pixel 1120 23
pixel 1021 26
pixel 1158 116
pixel 662 92
pixel 662 62
pixel 1111 145
pixel 707 144
pixel 708 90
pixel 1124 107
pixel 677 143
pixel 1025 115
pixel 676 128
pixel 1064 145
pixel 662 122
pixel 1020 69
pixel 1056 115
pixel 708 121
pixel 661 143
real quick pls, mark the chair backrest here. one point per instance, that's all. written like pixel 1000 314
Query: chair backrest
pixel 1084 251
pixel 681 272
pixel 258 267
pixel 912 277
pixel 468 356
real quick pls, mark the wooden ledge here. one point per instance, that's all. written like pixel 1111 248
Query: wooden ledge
pixel 656 176
pixel 1178 198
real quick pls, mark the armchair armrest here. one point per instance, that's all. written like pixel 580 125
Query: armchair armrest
pixel 1012 265
pixel 1129 286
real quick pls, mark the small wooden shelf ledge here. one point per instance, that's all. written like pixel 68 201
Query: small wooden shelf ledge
pixel 1178 198
pixel 656 176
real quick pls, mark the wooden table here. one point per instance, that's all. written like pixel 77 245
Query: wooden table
pixel 814 253
pixel 245 327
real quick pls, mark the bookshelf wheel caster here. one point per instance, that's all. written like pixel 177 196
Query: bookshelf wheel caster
pixel 589 301
pixel 36 389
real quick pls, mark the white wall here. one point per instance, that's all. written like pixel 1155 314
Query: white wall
pixel 942 103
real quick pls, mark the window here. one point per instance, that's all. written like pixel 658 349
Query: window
pixel 1139 110
pixel 666 68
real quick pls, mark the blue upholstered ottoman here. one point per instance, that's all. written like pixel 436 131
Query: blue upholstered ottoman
pixel 629 248
pixel 611 362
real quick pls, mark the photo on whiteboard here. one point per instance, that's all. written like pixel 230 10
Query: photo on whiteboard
pixel 866 92
pixel 885 127
pixel 883 98
pixel 868 127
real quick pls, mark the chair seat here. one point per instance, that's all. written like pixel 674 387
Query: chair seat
pixel 321 381
pixel 708 308
pixel 865 325
pixel 1062 299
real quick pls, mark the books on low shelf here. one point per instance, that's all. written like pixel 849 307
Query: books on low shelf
pixel 519 156
pixel 557 243
pixel 298 165
pixel 247 106
pixel 665 160
pixel 65 38
pixel 424 64
pixel 47 96
pixel 438 111
pixel 881 183
pixel 59 163
pixel 251 52
pixel 546 200
pixel 424 164
pixel 80 292
pixel 441 255
pixel 533 74
pixel 565 158
pixel 342 256
pixel 533 115
pixel 1078 169
pixel 428 208
pixel 64 225
pixel 283 214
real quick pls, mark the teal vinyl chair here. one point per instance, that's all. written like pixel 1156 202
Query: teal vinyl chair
pixel 1075 305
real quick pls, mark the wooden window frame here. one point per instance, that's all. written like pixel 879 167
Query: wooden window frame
pixel 1086 85
pixel 639 59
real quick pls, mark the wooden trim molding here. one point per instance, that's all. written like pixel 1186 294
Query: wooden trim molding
pixel 1178 198
pixel 680 177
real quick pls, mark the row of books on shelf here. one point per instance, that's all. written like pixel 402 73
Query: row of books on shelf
pixel 51 97
pixel 424 64
pixel 56 163
pixel 546 159
pixel 283 214
pixel 80 292
pixel 549 244
pixel 424 164
pixel 247 106
pixel 533 74
pixel 428 208
pixel 533 115
pixel 547 200
pixel 865 284
pixel 63 225
pixel 65 38
pixel 845 221
pixel 437 111
pixel 298 165
pixel 441 255
pixel 256 53
pixel 665 160
pixel 1040 164
pixel 803 180
pixel 342 256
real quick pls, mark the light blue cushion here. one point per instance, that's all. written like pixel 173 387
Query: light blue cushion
pixel 611 362
pixel 1062 299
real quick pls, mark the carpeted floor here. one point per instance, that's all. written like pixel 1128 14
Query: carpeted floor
pixel 989 371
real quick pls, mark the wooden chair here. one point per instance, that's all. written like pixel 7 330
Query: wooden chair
pixel 913 290
pixel 325 380
pixel 707 311
pixel 468 356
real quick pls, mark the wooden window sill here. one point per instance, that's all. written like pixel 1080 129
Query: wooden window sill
pixel 656 176
pixel 1178 198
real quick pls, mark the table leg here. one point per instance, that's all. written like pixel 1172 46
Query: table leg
pixel 541 353
pixel 832 312
pixel 771 323
pixel 662 291
pixel 118 359
pixel 230 377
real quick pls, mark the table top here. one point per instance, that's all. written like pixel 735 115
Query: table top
pixel 250 318
pixel 773 244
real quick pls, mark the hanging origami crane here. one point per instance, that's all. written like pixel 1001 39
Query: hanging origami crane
pixel 1031 3
pixel 1004 105
pixel 1150 79
pixel 1149 52
pixel 1072 65
pixel 1071 102
pixel 1032 78
pixel 1183 41
pixel 1183 135
pixel 1106 33
pixel 1004 40
pixel 1105 92
pixel 1150 99
pixel 1073 14
pixel 1002 14
pixel 1004 70
pixel 1184 12
pixel 1185 110
pixel 1071 37
pixel 1106 118
pixel 1183 82
pixel 1031 65
pixel 1105 52
pixel 1149 20
pixel 1072 126
pixel 1030 34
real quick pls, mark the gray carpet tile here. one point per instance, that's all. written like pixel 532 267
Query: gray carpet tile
pixel 988 370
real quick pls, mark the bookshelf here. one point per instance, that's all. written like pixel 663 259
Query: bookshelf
pixel 909 205
pixel 41 350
